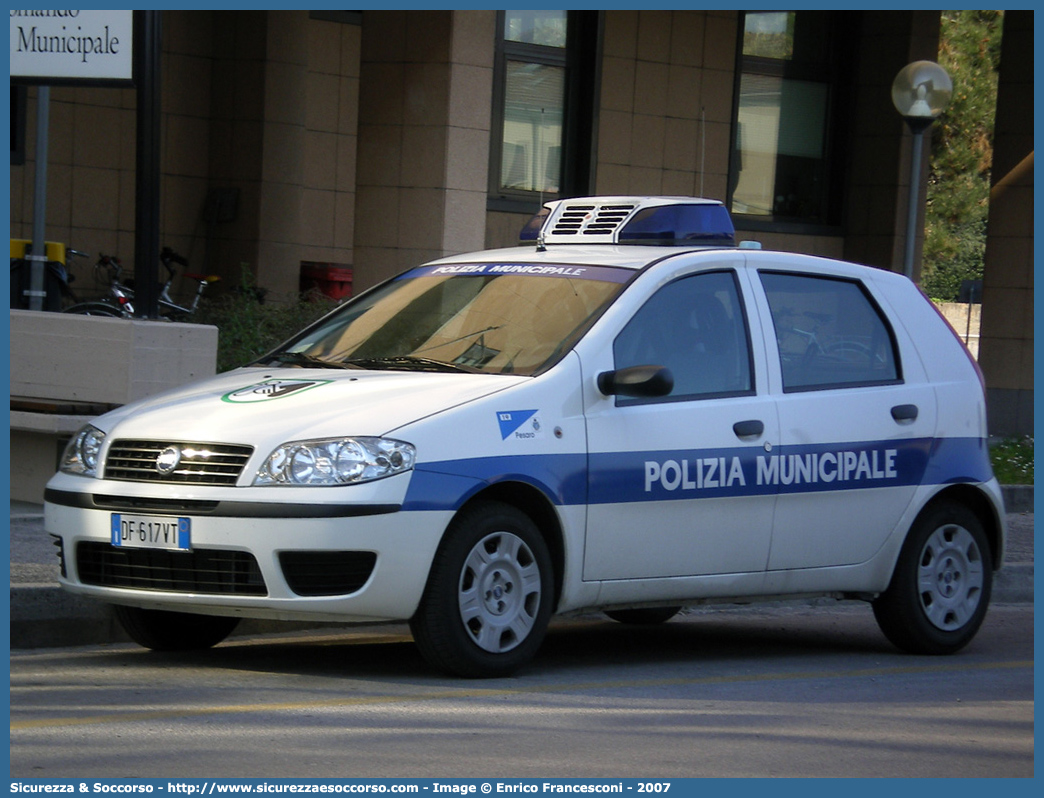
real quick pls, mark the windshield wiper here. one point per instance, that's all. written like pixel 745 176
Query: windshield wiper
pixel 306 361
pixel 408 363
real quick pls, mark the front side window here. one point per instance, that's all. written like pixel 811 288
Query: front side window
pixel 783 129
pixel 695 327
pixel 829 333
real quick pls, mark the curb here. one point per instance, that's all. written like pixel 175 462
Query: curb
pixel 45 616
pixel 1018 498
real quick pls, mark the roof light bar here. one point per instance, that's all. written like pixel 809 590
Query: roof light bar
pixel 644 221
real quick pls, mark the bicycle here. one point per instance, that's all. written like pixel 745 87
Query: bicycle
pixel 120 302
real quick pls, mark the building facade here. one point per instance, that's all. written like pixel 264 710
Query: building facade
pixel 376 140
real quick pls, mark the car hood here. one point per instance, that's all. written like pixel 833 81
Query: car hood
pixel 263 405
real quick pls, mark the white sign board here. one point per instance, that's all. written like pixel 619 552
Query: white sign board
pixel 66 46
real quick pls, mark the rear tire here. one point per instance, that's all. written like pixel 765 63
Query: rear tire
pixel 942 583
pixel 489 595
pixel 644 616
pixel 162 630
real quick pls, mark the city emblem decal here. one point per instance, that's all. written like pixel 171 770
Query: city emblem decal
pixel 270 389
pixel 519 424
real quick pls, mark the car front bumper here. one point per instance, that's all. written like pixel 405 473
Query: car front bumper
pixel 259 564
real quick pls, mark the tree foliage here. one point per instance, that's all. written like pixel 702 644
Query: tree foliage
pixel 962 153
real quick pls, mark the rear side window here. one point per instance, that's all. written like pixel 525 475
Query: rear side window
pixel 696 327
pixel 829 332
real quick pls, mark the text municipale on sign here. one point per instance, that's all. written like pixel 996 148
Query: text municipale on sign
pixel 72 45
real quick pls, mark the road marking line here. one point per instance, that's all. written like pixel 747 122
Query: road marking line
pixel 439 695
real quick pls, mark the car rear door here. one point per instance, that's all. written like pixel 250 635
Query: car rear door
pixel 857 418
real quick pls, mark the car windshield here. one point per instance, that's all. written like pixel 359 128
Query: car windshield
pixel 501 318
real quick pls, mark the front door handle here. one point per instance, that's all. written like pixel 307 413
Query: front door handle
pixel 748 429
pixel 903 413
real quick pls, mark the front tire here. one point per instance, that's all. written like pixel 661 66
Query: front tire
pixel 489 596
pixel 161 630
pixel 942 583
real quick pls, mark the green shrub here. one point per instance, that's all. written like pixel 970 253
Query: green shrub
pixel 248 327
pixel 1013 461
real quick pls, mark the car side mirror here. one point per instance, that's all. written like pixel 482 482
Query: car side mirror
pixel 637 381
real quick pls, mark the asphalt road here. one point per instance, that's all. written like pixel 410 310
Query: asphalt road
pixel 770 691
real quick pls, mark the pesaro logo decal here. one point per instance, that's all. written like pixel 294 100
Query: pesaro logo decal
pixel 270 389
pixel 519 425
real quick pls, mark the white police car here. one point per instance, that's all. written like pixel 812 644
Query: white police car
pixel 633 415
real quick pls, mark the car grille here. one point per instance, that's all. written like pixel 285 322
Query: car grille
pixel 207 571
pixel 199 463
pixel 326 573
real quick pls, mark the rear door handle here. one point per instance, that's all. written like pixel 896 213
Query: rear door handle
pixel 903 413
pixel 748 429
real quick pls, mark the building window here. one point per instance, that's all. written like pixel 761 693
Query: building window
pixel 543 104
pixel 784 119
pixel 531 139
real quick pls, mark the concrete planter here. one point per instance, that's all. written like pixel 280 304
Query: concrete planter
pixel 66 368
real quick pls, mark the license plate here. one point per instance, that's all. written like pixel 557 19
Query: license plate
pixel 151 532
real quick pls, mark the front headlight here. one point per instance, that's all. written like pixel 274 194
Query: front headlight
pixel 338 461
pixel 81 453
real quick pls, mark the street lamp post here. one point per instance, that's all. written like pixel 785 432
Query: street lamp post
pixel 920 92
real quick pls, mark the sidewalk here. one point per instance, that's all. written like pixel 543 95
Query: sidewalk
pixel 44 615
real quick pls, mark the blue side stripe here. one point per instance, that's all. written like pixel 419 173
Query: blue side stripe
pixel 625 477
pixel 714 473
pixel 447 485
pixel 955 460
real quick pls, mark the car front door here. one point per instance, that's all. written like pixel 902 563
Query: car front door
pixel 672 479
